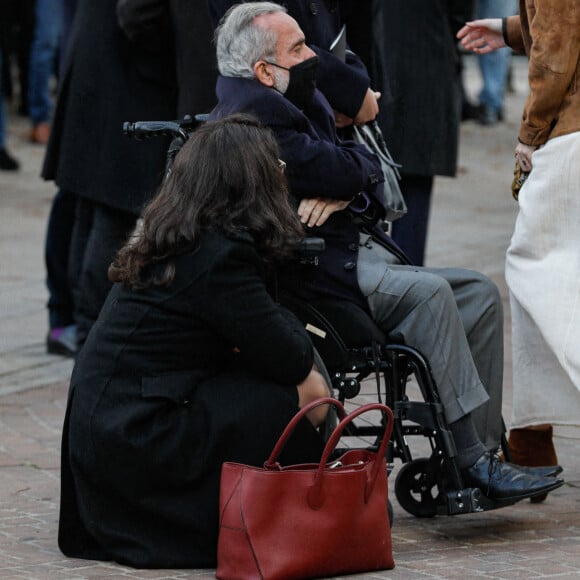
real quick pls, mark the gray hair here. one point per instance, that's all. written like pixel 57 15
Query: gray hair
pixel 240 43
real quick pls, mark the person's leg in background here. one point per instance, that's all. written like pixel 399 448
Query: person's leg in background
pixel 104 231
pixel 410 231
pixel 7 162
pixel 62 330
pixel 494 66
pixel 43 59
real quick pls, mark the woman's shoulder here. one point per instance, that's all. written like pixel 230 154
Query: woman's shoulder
pixel 216 247
pixel 224 242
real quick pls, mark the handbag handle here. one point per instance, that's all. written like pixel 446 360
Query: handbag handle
pixel 272 461
pixel 315 495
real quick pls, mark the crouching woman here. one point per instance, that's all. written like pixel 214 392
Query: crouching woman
pixel 191 363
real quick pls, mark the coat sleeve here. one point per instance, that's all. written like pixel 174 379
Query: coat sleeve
pixel 344 84
pixel 553 58
pixel 271 341
pixel 318 167
pixel 513 33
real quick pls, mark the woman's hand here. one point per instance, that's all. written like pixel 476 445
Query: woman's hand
pixel 315 211
pixel 312 388
pixel 524 156
pixel 482 36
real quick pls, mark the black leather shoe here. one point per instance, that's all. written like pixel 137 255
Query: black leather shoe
pixel 505 481
pixel 544 471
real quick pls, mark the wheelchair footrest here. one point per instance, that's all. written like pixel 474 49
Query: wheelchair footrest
pixel 470 500
pixel 464 501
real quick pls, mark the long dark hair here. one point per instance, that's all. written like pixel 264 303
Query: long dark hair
pixel 227 177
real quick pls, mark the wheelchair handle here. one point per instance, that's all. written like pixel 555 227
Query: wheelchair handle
pixel 146 129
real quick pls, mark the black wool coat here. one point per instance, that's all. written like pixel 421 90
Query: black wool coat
pixel 171 382
pixel 416 67
pixel 192 35
pixel 108 79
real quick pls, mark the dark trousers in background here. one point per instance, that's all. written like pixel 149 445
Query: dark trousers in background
pixel 410 232
pixel 56 255
pixel 98 233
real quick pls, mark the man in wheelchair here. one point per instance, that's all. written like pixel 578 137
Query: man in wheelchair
pixel 452 316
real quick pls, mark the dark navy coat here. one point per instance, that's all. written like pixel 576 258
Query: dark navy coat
pixel 319 164
pixel 108 79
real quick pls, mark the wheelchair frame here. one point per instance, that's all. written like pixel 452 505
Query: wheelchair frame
pixel 426 486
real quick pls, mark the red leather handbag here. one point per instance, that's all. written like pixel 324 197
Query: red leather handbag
pixel 309 520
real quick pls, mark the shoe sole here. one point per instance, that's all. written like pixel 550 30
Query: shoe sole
pixel 538 493
pixel 57 348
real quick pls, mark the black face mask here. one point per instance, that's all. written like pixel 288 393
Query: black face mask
pixel 302 83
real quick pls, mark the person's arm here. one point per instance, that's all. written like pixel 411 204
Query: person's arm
pixel 346 86
pixel 482 36
pixel 270 340
pixel 317 168
pixel 552 65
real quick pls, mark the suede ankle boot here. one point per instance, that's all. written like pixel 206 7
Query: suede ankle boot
pixel 532 448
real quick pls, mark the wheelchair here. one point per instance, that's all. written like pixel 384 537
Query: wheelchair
pixel 352 349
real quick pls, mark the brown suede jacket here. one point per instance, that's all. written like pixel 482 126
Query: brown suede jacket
pixel 548 31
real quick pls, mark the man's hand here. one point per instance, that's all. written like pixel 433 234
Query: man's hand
pixel 524 156
pixel 369 108
pixel 315 211
pixel 482 36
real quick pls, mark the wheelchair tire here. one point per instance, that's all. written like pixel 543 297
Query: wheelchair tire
pixel 332 419
pixel 412 494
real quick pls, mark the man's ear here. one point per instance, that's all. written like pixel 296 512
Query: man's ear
pixel 264 74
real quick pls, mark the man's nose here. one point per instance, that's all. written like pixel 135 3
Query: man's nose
pixel 309 52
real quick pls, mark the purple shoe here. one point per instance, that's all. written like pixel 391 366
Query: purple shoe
pixel 62 340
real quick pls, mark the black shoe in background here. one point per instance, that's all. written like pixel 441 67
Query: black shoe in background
pixel 488 116
pixel 469 111
pixel 7 162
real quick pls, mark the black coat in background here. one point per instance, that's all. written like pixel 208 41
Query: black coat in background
pixel 195 52
pixel 415 65
pixel 192 36
pixel 160 398
pixel 109 79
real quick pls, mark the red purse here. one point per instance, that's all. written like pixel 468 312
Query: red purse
pixel 309 520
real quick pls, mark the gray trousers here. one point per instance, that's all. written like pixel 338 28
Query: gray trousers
pixel 454 317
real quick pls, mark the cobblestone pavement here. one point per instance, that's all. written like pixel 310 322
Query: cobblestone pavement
pixel 471 225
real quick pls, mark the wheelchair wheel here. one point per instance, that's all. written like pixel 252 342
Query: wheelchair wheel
pixel 414 493
pixel 332 419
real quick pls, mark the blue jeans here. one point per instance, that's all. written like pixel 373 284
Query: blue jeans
pixel 494 66
pixel 43 54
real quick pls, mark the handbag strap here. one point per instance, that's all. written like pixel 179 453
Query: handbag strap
pixel 315 495
pixel 272 461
